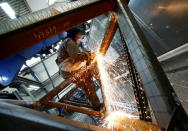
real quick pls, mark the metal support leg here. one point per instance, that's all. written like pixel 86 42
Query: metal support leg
pixel 33 73
pixel 107 40
pixel 28 92
pixel 74 108
pixel 111 30
pixel 17 95
pixel 68 94
pixel 90 91
pixel 36 78
pixel 55 91
pixel 48 74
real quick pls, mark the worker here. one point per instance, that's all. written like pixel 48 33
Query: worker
pixel 72 54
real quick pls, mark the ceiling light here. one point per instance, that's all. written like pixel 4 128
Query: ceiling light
pixel 33 87
pixel 51 2
pixel 6 7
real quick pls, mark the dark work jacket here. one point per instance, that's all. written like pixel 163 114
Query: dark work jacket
pixel 62 53
pixel 68 48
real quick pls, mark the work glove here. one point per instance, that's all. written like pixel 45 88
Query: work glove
pixel 89 57
pixel 87 54
pixel 83 56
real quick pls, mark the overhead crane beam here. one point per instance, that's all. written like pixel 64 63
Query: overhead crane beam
pixel 15 41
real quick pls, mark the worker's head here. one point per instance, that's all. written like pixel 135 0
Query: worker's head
pixel 81 38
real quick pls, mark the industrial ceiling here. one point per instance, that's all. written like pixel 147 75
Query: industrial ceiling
pixel 19 6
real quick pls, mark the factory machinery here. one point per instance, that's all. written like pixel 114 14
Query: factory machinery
pixel 152 89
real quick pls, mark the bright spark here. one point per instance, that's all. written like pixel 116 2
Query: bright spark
pixel 112 119
pixel 117 118
pixel 112 92
pixel 120 121
pixel 162 7
pixel 107 83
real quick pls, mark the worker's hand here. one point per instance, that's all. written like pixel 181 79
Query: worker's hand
pixel 92 56
pixel 82 56
pixel 87 54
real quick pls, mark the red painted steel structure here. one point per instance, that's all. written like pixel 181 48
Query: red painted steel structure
pixel 74 108
pixel 18 40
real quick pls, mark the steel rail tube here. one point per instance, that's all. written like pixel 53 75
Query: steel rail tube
pixel 111 30
pixel 45 68
pixel 173 53
pixel 56 90
pixel 25 80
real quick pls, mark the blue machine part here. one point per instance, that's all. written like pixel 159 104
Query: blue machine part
pixel 50 41
pixel 10 66
pixel 28 53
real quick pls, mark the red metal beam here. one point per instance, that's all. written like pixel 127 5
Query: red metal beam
pixel 77 104
pixel 25 103
pixel 16 41
pixel 74 108
pixel 69 94
pixel 12 116
pixel 55 91
pixel 90 91
pixel 109 35
pixel 64 84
